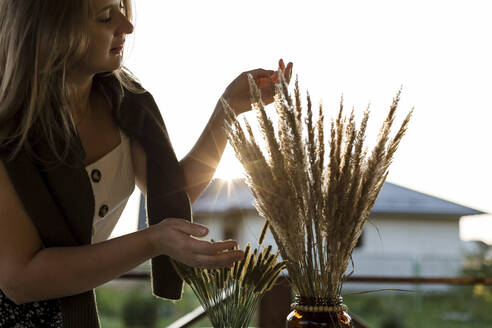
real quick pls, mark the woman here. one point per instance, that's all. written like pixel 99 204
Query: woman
pixel 77 132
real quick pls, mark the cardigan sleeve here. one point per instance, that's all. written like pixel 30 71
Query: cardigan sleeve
pixel 166 195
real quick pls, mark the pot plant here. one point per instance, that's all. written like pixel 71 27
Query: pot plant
pixel 315 189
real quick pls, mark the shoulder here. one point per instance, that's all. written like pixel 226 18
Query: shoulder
pixel 125 92
pixel 134 108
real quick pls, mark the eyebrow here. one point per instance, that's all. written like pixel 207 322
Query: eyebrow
pixel 104 8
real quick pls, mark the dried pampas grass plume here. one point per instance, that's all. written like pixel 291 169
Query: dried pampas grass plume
pixel 314 208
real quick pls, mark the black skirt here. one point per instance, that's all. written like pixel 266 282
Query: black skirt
pixel 30 315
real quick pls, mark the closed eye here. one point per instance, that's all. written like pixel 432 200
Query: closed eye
pixel 106 16
pixel 107 13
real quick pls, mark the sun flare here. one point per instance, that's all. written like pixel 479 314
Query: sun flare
pixel 229 167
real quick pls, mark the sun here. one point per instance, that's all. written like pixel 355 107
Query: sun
pixel 229 167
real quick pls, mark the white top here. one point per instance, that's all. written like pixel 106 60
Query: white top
pixel 113 181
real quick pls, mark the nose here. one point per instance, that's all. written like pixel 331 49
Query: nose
pixel 124 25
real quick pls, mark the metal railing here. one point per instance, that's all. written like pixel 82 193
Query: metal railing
pixel 199 313
pixel 376 279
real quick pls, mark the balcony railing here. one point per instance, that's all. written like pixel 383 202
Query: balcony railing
pixel 279 296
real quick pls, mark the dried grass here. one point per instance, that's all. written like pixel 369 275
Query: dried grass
pixel 315 210
pixel 230 295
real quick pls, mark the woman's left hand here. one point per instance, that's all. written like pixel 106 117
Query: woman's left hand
pixel 237 93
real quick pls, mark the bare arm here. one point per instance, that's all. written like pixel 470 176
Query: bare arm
pixel 139 160
pixel 26 267
pixel 200 163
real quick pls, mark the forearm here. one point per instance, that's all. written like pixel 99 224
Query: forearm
pixel 200 163
pixel 63 271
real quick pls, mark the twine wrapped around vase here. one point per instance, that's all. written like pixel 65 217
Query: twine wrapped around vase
pixel 318 304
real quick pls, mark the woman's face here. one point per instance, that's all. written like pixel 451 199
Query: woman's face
pixel 107 32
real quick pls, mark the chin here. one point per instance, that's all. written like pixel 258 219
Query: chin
pixel 113 66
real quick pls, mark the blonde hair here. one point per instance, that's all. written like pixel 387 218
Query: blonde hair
pixel 40 42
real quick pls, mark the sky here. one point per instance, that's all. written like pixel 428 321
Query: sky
pixel 440 52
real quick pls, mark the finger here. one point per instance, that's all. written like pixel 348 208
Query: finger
pixel 275 77
pixel 288 71
pixel 289 67
pixel 281 65
pixel 267 83
pixel 210 248
pixel 189 228
pixel 267 89
pixel 260 72
pixel 261 79
pixel 221 260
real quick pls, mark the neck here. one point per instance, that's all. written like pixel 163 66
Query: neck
pixel 81 88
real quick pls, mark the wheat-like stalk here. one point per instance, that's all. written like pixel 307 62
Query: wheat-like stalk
pixel 314 208
pixel 230 295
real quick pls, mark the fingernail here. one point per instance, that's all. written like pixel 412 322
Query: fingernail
pixel 204 231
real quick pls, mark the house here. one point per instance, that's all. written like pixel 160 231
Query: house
pixel 408 233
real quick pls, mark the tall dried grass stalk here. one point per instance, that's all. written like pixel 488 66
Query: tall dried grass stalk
pixel 315 210
pixel 230 295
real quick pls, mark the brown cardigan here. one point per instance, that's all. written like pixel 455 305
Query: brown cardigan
pixel 60 200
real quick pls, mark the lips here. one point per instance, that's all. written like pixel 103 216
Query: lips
pixel 118 48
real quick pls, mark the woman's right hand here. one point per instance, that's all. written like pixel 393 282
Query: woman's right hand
pixel 174 237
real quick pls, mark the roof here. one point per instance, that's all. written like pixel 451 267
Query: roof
pixel 397 199
pixel 222 196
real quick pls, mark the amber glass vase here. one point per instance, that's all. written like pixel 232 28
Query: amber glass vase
pixel 317 312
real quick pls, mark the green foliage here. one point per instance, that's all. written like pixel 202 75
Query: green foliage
pixel 392 321
pixel 140 310
pixel 111 299
pixel 456 308
pixel 479 264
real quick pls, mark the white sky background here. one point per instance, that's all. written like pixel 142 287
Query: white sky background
pixel 187 52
